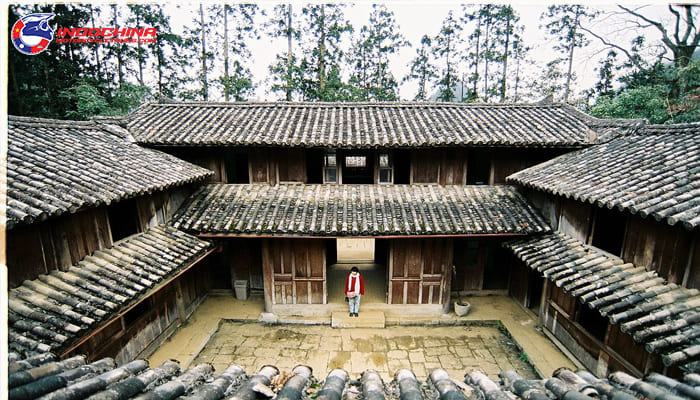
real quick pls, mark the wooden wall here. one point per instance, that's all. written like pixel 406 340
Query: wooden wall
pixel 244 257
pixel 480 264
pixel 60 243
pixel 662 248
pixel 672 251
pixel 294 271
pixel 443 166
pixel 420 271
pixel 55 244
pixel 563 315
pixel 139 332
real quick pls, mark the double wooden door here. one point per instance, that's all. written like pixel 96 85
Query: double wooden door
pixel 420 271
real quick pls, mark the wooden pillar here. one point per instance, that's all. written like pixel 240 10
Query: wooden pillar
pixel 267 275
pixel 180 301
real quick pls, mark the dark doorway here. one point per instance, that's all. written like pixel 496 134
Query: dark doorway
pixel 402 167
pixel 534 292
pixel 123 219
pixel 236 163
pixel 358 167
pixel 609 230
pixel 314 166
pixel 478 167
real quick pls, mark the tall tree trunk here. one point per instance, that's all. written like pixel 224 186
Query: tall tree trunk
pixel 96 48
pixel 517 79
pixel 120 62
pixel 226 79
pixel 160 59
pixel 486 59
pixel 140 52
pixel 322 55
pixel 572 46
pixel 290 54
pixel 505 62
pixel 476 58
pixel 205 84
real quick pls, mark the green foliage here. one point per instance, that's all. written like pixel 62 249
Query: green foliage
pixel 86 101
pixel 563 23
pixel 371 77
pixel 422 70
pixel 644 102
pixel 445 48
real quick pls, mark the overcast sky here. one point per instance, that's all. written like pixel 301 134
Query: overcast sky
pixel 417 18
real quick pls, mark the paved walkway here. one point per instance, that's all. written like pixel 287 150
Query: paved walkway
pixel 189 341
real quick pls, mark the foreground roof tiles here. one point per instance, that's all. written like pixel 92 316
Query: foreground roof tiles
pixel 655 172
pixel 663 316
pixel 54 311
pixel 353 125
pixel 357 210
pixel 56 167
pixel 75 379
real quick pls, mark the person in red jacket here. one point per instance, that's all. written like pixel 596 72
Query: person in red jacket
pixel 354 289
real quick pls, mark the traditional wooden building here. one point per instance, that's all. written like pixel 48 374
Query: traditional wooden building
pixel 92 266
pixel 116 232
pixel 420 178
pixel 618 281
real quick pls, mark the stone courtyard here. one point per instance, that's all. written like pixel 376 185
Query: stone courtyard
pixel 457 349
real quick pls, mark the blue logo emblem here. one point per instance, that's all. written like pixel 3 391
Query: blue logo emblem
pixel 32 34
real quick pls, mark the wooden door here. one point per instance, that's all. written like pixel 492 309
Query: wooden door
pixel 419 271
pixel 295 271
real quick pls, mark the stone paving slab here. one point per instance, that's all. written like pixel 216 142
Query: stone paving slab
pixel 365 319
pixel 188 339
pixel 457 349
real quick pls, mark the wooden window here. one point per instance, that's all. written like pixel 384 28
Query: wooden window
pixel 386 168
pixel 236 165
pixel 123 219
pixel 591 320
pixel 330 167
pixel 478 167
pixel 609 230
pixel 137 312
pixel 356 161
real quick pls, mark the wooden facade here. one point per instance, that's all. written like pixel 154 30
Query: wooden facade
pixel 420 271
pixel 138 331
pixel 444 166
pixel 295 271
pixel 602 347
pixel 59 243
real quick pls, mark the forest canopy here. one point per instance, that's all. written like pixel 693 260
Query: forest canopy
pixel 648 68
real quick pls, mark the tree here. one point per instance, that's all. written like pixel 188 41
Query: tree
pixel 606 75
pixel 563 22
pixel 371 76
pixel 445 46
pixel 284 71
pixel 35 82
pixel 322 55
pixel 421 69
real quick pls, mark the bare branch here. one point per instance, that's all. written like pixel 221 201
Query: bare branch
pixel 656 24
pixel 690 25
pixel 629 55
pixel 678 22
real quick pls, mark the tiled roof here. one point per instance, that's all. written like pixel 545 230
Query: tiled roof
pixel 362 125
pixel 357 210
pixel 663 316
pixel 56 167
pixel 652 173
pixel 75 379
pixel 54 311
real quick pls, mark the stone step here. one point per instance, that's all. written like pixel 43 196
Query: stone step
pixel 367 319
